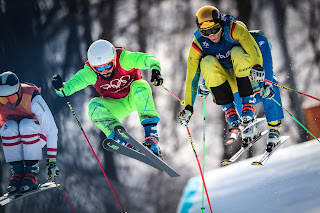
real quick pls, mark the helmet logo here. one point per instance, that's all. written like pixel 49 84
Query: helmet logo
pixel 99 59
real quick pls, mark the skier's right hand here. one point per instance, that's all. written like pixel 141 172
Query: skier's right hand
pixel 203 91
pixel 57 83
pixel 185 115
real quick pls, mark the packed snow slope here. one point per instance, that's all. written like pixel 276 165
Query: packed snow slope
pixel 288 183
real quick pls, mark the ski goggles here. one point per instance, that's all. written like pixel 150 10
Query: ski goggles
pixel 12 99
pixel 105 68
pixel 215 29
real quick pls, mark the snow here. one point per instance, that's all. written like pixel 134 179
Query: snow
pixel 288 183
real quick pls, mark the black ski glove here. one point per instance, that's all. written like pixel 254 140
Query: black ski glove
pixel 57 82
pixel 156 78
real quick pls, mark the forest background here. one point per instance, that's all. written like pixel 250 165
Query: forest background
pixel 41 38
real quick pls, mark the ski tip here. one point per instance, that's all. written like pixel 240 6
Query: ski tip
pixel 256 163
pixel 225 162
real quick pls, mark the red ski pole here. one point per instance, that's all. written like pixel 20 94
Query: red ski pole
pixel 58 85
pixel 181 102
pixel 204 184
pixel 65 196
pixel 195 153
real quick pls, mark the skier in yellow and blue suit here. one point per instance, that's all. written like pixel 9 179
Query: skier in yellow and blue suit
pixel 225 53
pixel 273 112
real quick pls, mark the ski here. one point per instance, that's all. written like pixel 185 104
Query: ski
pixel 7 198
pixel 235 132
pixel 242 150
pixel 112 146
pixel 265 157
pixel 123 134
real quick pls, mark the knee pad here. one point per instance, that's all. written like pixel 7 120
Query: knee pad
pixel 244 86
pixel 223 93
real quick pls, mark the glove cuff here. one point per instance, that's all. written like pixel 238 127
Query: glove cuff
pixel 51 160
pixel 257 66
pixel 190 108
pixel 155 72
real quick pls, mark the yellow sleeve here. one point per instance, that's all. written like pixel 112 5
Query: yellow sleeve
pixel 242 35
pixel 193 73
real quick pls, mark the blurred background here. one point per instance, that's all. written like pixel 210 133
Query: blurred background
pixel 41 38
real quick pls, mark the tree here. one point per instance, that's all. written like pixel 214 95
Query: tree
pixel 280 11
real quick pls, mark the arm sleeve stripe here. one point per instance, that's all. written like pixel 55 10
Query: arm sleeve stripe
pixel 232 30
pixel 196 48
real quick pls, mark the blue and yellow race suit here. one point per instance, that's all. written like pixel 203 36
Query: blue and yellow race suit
pixel 234 39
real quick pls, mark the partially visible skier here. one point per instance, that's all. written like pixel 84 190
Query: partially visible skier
pixel 273 112
pixel 27 125
pixel 225 52
pixel 114 73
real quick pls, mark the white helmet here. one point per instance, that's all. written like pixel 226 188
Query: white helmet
pixel 101 52
pixel 9 84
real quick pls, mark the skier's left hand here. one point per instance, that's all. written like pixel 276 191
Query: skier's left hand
pixel 57 84
pixel 156 77
pixel 52 169
pixel 267 91
pixel 257 73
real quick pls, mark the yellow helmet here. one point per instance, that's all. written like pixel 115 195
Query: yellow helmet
pixel 207 17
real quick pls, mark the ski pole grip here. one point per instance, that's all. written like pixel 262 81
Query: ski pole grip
pixel 57 82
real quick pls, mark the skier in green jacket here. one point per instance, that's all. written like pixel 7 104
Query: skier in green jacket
pixel 114 73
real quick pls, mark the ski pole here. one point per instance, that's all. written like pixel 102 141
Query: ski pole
pixel 58 85
pixel 181 102
pixel 195 153
pixel 65 196
pixel 204 139
pixel 295 119
pixel 204 184
pixel 292 90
